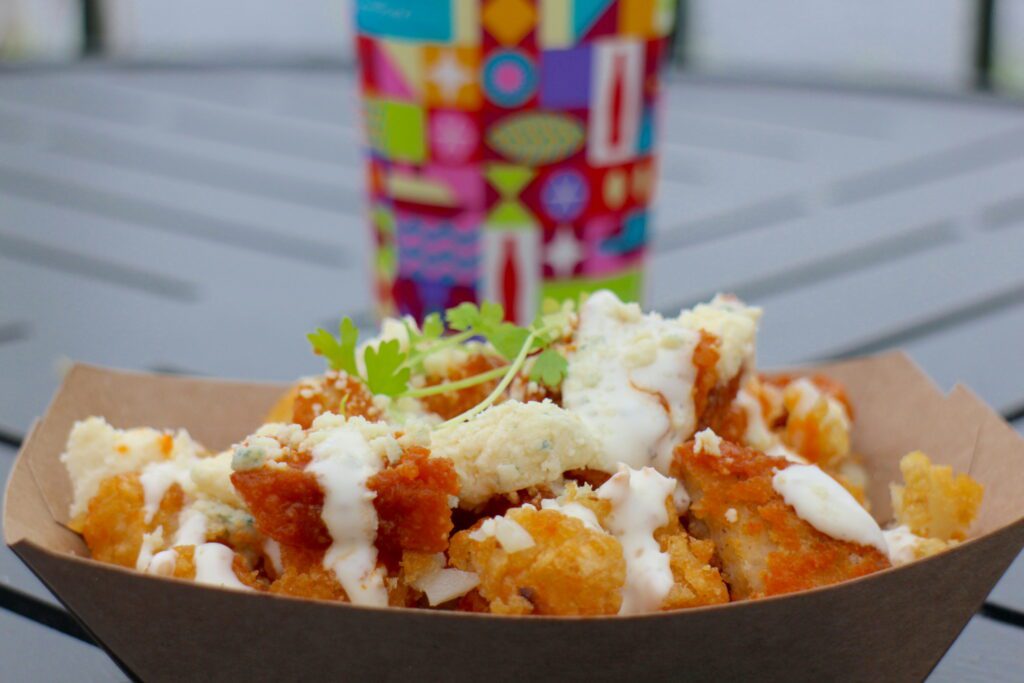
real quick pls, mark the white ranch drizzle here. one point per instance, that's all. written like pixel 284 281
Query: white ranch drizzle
pixel 163 563
pixel 156 478
pixel 342 463
pixel 272 549
pixel 822 502
pixel 150 542
pixel 213 566
pixel 902 544
pixel 191 528
pixel 638 509
pixel 631 381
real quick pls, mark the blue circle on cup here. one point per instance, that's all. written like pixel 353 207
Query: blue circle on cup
pixel 509 78
pixel 565 195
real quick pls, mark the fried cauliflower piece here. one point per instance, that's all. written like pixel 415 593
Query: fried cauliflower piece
pixel 114 523
pixel 932 502
pixel 764 547
pixel 515 446
pixel 545 562
pixel 96 451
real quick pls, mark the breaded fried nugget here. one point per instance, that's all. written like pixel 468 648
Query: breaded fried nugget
pixel 333 392
pixel 452 403
pixel 713 402
pixel 563 567
pixel 932 502
pixel 412 503
pixel 304 575
pixel 817 418
pixel 115 521
pixel 764 547
pixel 286 503
pixel 185 568
pixel 696 582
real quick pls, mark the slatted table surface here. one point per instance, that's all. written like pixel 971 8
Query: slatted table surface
pixel 201 220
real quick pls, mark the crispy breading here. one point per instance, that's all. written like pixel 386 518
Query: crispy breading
pixel 304 575
pixel 817 423
pixel 696 581
pixel 115 521
pixel 412 504
pixel 764 547
pixel 569 570
pixel 332 392
pixel 185 568
pixel 452 403
pixel 932 501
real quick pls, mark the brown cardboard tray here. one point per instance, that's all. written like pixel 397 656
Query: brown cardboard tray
pixel 894 625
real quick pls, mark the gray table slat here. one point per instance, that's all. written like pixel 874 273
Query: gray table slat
pixel 13 572
pixel 872 304
pixel 31 652
pixel 986 651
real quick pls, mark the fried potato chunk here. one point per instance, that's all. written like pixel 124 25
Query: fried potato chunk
pixel 764 547
pixel 932 501
pixel 569 569
pixel 115 520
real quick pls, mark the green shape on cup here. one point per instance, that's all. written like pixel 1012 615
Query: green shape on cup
pixel 387 262
pixel 627 285
pixel 384 220
pixel 397 130
pixel 509 179
pixel 510 214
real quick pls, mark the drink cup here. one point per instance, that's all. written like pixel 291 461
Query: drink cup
pixel 510 147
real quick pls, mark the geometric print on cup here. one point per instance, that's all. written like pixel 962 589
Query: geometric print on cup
pixel 513 136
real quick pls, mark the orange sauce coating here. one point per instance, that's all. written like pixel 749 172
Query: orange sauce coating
pixel 713 403
pixel 787 552
pixel 412 504
pixel 286 504
pixel 334 392
pixel 452 403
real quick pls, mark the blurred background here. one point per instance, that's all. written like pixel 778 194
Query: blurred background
pixel 945 44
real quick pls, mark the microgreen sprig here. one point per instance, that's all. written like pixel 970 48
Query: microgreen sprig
pixel 388 366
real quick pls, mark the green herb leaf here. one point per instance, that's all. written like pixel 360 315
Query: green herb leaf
pixel 463 316
pixel 433 328
pixel 384 372
pixel 508 339
pixel 549 368
pixel 339 352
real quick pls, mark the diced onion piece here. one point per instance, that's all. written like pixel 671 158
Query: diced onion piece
pixel 511 535
pixel 447 584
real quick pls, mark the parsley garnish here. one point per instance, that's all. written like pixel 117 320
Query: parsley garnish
pixel 388 367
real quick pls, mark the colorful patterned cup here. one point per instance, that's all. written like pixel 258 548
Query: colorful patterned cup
pixel 511 150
